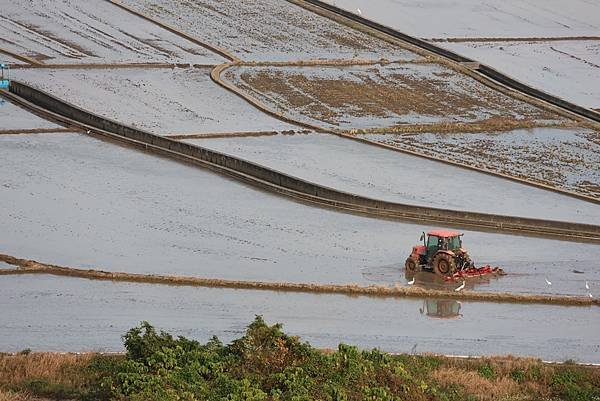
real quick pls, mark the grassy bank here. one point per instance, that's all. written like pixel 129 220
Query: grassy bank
pixel 267 364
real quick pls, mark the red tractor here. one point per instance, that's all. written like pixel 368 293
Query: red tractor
pixel 441 253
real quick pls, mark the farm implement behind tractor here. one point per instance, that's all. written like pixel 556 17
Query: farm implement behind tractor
pixel 442 253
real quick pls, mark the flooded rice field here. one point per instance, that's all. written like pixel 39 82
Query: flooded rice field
pixel 77 201
pixel 162 101
pixel 379 173
pixel 477 18
pixel 568 69
pixel 562 158
pixel 69 32
pixel 64 314
pixel 354 97
pixel 7 59
pixel 14 118
pixel 269 30
pixel 517 37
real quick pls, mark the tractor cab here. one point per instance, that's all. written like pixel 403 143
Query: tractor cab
pixel 441 253
pixel 441 240
pixel 4 76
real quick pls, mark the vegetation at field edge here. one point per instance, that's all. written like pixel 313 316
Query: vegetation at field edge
pixel 267 364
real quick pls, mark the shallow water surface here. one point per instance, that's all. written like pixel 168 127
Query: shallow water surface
pixel 66 314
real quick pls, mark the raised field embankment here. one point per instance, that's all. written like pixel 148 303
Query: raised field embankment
pixel 275 181
pixel 25 266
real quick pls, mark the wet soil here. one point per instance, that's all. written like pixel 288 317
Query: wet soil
pixel 382 96
pixel 269 30
pixel 562 158
pixel 91 32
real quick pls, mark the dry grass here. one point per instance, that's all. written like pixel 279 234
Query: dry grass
pixel 508 378
pixel 16 396
pixel 493 124
pixel 472 383
pixel 64 369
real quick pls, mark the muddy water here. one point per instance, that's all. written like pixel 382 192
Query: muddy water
pixel 383 174
pixel 49 313
pixel 76 201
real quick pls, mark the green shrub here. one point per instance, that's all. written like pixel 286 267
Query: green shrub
pixel 486 371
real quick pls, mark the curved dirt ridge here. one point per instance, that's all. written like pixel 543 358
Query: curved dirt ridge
pixel 284 184
pixel 25 266
pixel 275 181
pixel 216 76
pixel 457 61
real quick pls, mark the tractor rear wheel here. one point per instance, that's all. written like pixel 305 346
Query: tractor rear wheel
pixel 443 264
pixel 411 265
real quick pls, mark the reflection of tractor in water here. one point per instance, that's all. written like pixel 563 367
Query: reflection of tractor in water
pixel 441 308
pixel 441 253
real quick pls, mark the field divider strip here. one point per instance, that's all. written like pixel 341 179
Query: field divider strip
pixel 277 182
pixel 20 57
pixel 210 135
pixel 38 131
pixel 488 75
pixel 26 266
pixel 514 39
pixel 100 66
pixel 216 49
pixel 215 75
pixel 217 78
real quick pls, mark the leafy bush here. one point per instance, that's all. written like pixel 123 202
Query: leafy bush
pixel 264 364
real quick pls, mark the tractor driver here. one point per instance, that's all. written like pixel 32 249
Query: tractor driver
pixel 443 244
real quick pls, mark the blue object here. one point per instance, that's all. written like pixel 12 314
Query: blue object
pixel 4 83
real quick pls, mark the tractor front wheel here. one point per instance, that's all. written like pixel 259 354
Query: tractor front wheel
pixel 443 264
pixel 411 265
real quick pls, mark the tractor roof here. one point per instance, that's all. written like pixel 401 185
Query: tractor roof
pixel 443 233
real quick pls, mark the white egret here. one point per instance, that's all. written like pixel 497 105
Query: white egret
pixel 411 282
pixel 459 288
pixel 358 11
pixel 548 281
pixel 587 285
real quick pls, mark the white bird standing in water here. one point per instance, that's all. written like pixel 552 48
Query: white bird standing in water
pixel 548 281
pixel 411 282
pixel 590 295
pixel 358 11
pixel 587 285
pixel 459 288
